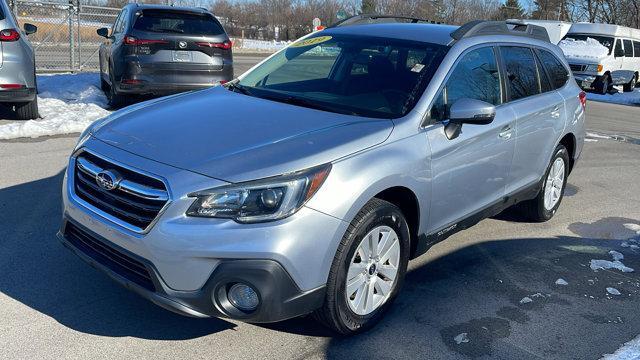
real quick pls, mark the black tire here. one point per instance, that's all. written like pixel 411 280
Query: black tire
pixel 603 85
pixel 335 312
pixel 27 111
pixel 534 210
pixel 104 86
pixel 631 85
pixel 113 96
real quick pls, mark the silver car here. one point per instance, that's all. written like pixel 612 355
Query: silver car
pixel 18 88
pixel 307 184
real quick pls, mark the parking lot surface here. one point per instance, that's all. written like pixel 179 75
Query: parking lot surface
pixel 503 289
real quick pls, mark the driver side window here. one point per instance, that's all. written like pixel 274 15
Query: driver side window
pixel 476 76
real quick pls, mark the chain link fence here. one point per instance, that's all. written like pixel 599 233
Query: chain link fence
pixel 66 39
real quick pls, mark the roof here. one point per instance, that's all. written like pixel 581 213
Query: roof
pixel 432 33
pixel 167 7
pixel 604 29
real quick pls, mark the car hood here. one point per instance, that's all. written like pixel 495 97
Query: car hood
pixel 235 137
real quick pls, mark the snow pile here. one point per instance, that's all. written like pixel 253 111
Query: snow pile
pixel 261 45
pixel 613 291
pixel 461 338
pixel 628 351
pixel 590 49
pixel 562 282
pixel 623 98
pixel 67 104
pixel 606 264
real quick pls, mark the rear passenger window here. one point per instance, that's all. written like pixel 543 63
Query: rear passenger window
pixel 628 48
pixel 475 76
pixel 558 73
pixel 618 52
pixel 636 48
pixel 522 76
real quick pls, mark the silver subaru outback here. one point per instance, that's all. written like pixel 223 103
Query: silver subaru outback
pixel 307 184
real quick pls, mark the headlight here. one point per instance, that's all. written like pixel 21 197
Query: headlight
pixel 261 200
pixel 593 68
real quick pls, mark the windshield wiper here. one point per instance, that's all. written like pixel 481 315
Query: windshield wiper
pixel 312 104
pixel 238 88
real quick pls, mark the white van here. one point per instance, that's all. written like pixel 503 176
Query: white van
pixel 614 61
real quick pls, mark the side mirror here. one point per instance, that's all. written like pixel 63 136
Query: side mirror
pixel 30 29
pixel 471 111
pixel 468 111
pixel 104 32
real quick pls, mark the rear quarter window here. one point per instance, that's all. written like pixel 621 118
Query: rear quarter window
pixel 177 22
pixel 636 48
pixel 558 73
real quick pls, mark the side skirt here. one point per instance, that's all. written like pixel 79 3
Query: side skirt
pixel 426 241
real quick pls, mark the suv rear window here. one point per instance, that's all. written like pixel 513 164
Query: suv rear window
pixel 556 70
pixel 162 21
pixel 522 75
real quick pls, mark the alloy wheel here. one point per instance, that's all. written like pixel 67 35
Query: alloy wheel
pixel 554 184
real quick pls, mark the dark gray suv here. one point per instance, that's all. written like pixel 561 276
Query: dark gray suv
pixel 161 50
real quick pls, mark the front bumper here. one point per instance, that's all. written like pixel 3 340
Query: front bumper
pixel 280 298
pixel 18 95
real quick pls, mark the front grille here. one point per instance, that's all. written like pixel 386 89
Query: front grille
pixel 575 67
pixel 117 261
pixel 135 199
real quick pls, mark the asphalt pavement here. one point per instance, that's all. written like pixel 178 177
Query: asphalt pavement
pixel 487 292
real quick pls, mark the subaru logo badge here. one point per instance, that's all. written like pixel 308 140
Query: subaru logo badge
pixel 182 44
pixel 107 180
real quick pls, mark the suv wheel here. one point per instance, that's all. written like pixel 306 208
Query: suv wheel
pixel 545 205
pixel 115 99
pixel 631 85
pixel 27 111
pixel 368 269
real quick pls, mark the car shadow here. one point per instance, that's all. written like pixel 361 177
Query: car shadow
pixel 42 274
pixel 516 298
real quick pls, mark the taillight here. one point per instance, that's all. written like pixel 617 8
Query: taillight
pixel 11 86
pixel 583 98
pixel 9 35
pixel 226 45
pixel 130 40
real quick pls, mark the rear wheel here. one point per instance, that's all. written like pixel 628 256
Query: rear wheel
pixel 603 85
pixel 631 85
pixel 545 205
pixel 115 99
pixel 27 111
pixel 368 269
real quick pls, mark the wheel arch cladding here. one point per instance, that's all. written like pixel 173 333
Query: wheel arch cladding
pixel 407 201
pixel 569 142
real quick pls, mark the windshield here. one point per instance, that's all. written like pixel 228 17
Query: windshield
pixel 604 40
pixel 177 22
pixel 364 76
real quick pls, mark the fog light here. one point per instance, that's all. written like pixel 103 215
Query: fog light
pixel 243 297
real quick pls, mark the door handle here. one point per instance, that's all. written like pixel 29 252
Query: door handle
pixel 506 132
pixel 556 112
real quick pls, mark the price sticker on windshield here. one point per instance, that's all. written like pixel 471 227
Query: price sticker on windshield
pixel 311 42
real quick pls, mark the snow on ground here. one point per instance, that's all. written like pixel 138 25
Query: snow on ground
pixel 561 282
pixel 261 45
pixel 461 338
pixel 623 98
pixel 628 351
pixel 591 49
pixel 67 104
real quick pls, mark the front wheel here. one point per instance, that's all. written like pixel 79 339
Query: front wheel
pixel 545 205
pixel 368 269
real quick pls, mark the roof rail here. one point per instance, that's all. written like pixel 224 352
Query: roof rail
pixel 363 19
pixel 513 28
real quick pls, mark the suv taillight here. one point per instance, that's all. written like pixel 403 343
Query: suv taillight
pixel 583 99
pixel 9 35
pixel 226 45
pixel 130 40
